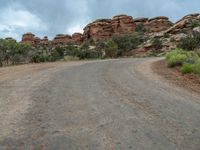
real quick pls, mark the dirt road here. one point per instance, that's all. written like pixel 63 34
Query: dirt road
pixel 111 105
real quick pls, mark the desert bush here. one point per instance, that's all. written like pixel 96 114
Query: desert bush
pixel 157 44
pixel 70 58
pixel 188 43
pixel 196 67
pixel 176 58
pixel 140 28
pixel 111 49
pixel 188 60
pixel 195 23
pixel 89 54
pixel 187 68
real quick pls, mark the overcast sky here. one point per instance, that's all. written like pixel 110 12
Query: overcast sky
pixel 49 17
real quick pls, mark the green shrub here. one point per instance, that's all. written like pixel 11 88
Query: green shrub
pixel 192 57
pixel 157 45
pixel 176 58
pixel 196 68
pixel 195 23
pixel 140 28
pixel 70 58
pixel 187 68
pixel 111 49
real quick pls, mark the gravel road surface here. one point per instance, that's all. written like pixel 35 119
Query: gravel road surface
pixel 96 105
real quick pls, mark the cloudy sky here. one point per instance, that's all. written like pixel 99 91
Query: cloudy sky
pixel 49 17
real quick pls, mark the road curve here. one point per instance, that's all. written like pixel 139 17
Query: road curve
pixel 98 105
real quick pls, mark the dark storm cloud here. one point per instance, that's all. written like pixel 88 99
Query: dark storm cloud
pixel 49 17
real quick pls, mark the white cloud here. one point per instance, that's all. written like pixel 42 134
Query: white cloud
pixel 15 21
pixel 75 28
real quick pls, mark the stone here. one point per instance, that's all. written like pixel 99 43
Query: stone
pixel 197 29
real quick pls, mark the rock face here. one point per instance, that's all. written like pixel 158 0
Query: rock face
pixel 28 38
pixel 123 24
pixel 186 24
pixel 61 39
pixel 98 30
pixel 156 24
pixel 77 38
pixel 103 29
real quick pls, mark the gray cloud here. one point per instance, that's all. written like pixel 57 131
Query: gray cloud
pixel 49 17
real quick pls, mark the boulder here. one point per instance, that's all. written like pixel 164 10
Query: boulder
pixel 197 29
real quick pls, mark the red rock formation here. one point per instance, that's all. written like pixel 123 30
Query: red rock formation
pixel 61 39
pixel 123 24
pixel 77 38
pixel 28 38
pixel 98 30
pixel 158 24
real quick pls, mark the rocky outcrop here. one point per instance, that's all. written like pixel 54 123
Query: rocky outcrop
pixel 186 24
pixel 154 25
pixel 123 24
pixel 61 39
pixel 100 29
pixel 103 29
pixel 158 24
pixel 28 38
pixel 77 38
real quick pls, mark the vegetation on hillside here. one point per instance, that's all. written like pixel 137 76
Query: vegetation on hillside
pixel 187 55
pixel 12 53
pixel 187 61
